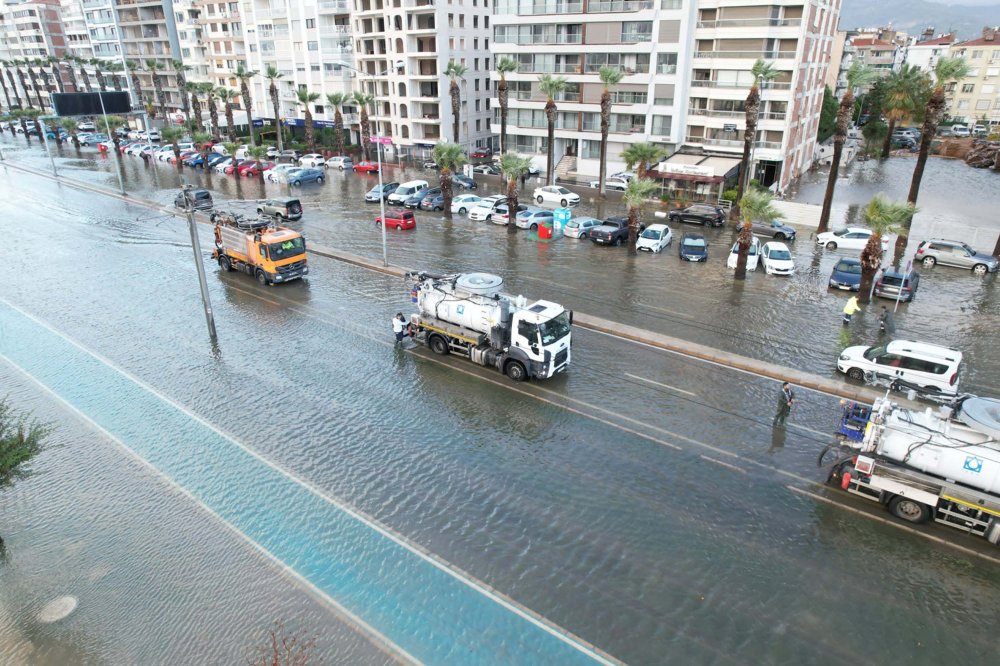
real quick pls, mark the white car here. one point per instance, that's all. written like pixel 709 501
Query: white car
pixel 138 148
pixel 463 203
pixel 655 238
pixel 278 173
pixel 619 184
pixel 555 194
pixel 777 259
pixel 136 134
pixel 483 211
pixel 153 135
pixel 314 160
pixel 85 126
pixel 753 255
pixel 221 165
pixel 579 227
pixel 848 238
pixel 164 152
pixel 242 152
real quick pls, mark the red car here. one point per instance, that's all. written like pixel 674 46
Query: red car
pixel 123 145
pixel 401 219
pixel 233 166
pixel 366 167
pixel 255 169
pixel 481 152
pixel 184 155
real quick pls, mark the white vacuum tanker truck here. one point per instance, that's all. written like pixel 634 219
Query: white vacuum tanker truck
pixel 941 464
pixel 465 313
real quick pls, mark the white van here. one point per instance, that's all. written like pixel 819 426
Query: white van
pixel 407 190
pixel 960 130
pixel 931 367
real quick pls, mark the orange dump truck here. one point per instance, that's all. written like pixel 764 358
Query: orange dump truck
pixel 271 254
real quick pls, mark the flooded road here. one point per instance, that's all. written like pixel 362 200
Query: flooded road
pixel 640 504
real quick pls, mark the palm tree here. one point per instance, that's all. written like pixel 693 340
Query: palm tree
pixel 551 87
pixel 305 98
pixel 858 75
pixel 514 168
pixel 244 75
pixel 6 92
pixel 98 74
pixel 116 79
pixel 10 118
pixel 272 74
pixel 194 117
pixel 112 123
pixel 180 71
pixel 455 71
pixel 34 83
pixel 32 114
pixel 336 100
pixel 761 71
pixel 154 68
pixel 363 100
pixel 449 157
pixel 610 76
pixel 642 155
pixel 24 84
pixel 756 205
pixel 637 195
pixel 504 66
pixel 201 140
pixel 231 148
pixel 258 153
pixel 226 96
pixel 56 72
pixel 171 135
pixel 84 76
pixel 883 216
pixel 208 90
pixel 68 61
pixel 11 66
pixel 133 68
pixel 901 90
pixel 946 71
pixel 43 73
pixel 69 124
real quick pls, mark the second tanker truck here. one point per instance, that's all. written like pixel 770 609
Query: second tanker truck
pixel 465 313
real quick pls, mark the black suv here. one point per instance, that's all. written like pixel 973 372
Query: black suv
pixel 614 231
pixel 702 214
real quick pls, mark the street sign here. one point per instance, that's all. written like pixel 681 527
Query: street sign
pixel 384 140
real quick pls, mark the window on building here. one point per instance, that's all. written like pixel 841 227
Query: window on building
pixel 461 20
pixel 314 68
pixel 475 84
pixel 666 63
pixel 590 150
pixel 320 108
pixel 475 43
pixel 312 46
pixel 475 21
pixel 310 23
pixel 983 105
pixel 628 97
pixel 636 31
pixel 451 20
pixel 479 125
pixel 968 87
pixel 963 104
pixel 661 125
pixel 486 64
pixel 976 55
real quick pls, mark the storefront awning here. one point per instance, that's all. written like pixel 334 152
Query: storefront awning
pixel 695 178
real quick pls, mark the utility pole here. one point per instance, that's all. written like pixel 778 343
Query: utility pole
pixel 199 265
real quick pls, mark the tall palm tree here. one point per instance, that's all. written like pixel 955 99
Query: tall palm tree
pixel 56 72
pixel 336 100
pixel 449 157
pixel 6 92
pixel 946 71
pixel 272 74
pixel 514 168
pixel 69 124
pixel 43 73
pixel 98 74
pixel 637 195
pixel 902 90
pixel 858 75
pixel 155 68
pixel 761 71
pixel 363 100
pixel 180 71
pixel 32 115
pixel 68 61
pixel 18 64
pixel 244 75
pixel 505 65
pixel 551 87
pixel 84 75
pixel 455 71
pixel 115 69
pixel 171 135
pixel 756 206
pixel 641 156
pixel 883 216
pixel 201 140
pixel 258 153
pixel 10 118
pixel 23 120
pixel 208 90
pixel 34 83
pixel 610 76
pixel 226 96
pixel 305 98
pixel 133 68
pixel 194 90
pixel 11 68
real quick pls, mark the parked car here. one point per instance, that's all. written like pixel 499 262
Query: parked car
pixel 432 202
pixel 272 152
pixel 223 164
pixel 702 214
pixel 932 367
pixel 846 275
pixel 430 164
pixel 286 208
pixel 693 247
pixel 194 161
pixel 137 149
pixel 254 168
pixel 555 194
pixel 380 192
pixel 480 153
pixel 300 176
pixel 407 190
pixel 242 152
pixel 487 169
pixel 954 253
pixel 400 219
pixel 579 227
pixel 897 286
pixel 464 182
pixel 198 199
pixel 777 259
pixel 341 162
pixel 415 199
pixel 753 255
pixel 183 156
pixel 611 184
pixel 366 167
pixel 483 211
pixel 91 140
pixel 613 231
pixel 960 131
pixel 463 203
pixel 847 238
pixel 772 229
pixel 655 238
pixel 85 126
pixel 288 156
pixel 277 174
pixel 153 135
pixel 313 160
pixel 500 215
pixel 234 167
pixel 532 218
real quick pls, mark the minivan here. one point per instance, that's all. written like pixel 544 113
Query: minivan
pixel 406 190
pixel 960 130
pixel 932 367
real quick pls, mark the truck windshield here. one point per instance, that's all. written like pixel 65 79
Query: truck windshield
pixel 554 329
pixel 286 249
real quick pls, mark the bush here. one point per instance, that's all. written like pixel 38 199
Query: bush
pixel 729 195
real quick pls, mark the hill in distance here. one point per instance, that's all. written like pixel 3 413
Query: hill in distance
pixel 913 16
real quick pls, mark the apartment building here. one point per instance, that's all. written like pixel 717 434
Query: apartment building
pixel 101 22
pixel 31 30
pixel 925 51
pixel 976 98
pixel 147 31
pixel 841 59
pixel 881 49
pixel 75 28
pixel 402 48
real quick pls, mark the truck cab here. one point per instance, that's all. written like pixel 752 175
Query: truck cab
pixel 541 331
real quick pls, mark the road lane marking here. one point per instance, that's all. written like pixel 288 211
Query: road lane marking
pixel 816 432
pixel 735 468
pixel 666 386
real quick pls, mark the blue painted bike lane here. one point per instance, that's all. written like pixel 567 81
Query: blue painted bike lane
pixel 425 608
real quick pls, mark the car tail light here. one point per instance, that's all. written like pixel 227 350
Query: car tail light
pixel 954 378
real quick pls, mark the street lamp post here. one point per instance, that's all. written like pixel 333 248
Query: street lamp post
pixel 378 141
pixel 198 262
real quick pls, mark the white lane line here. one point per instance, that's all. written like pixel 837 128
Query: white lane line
pixel 735 468
pixel 802 427
pixel 666 386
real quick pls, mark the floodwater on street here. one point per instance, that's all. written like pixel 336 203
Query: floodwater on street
pixel 637 509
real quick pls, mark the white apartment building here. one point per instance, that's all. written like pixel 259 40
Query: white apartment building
pixel 101 21
pixel 75 28
pixel 148 31
pixel 925 52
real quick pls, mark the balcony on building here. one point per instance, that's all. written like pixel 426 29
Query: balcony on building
pixel 537 7
pixel 140 15
pixel 729 140
pixel 334 6
pixel 427 113
pixel 419 23
pixel 416 6
pixel 369 6
pixel 759 16
pixel 746 49
pixel 737 79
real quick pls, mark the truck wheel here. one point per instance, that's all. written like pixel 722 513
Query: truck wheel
pixel 225 264
pixel 262 278
pixel 438 345
pixel 857 374
pixel 516 371
pixel 909 510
